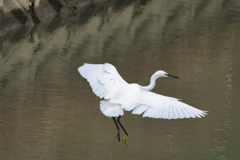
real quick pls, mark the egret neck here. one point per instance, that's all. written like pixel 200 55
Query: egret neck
pixel 152 84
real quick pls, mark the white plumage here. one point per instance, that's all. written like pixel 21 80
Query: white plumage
pixel 119 95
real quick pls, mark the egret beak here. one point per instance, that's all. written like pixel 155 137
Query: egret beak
pixel 172 76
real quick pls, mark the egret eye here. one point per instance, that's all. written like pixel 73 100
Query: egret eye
pixel 165 74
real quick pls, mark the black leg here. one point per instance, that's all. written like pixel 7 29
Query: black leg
pixel 125 138
pixel 115 122
pixel 118 134
pixel 121 125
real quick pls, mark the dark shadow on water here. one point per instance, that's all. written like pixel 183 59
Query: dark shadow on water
pixel 20 34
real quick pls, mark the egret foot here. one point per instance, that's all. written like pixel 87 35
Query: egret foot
pixel 118 136
pixel 125 139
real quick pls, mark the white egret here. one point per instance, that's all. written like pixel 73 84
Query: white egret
pixel 119 96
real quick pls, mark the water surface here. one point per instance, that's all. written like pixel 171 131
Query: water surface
pixel 48 111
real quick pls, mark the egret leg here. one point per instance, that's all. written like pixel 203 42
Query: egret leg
pixel 125 138
pixel 118 134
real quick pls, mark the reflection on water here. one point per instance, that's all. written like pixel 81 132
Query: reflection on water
pixel 47 110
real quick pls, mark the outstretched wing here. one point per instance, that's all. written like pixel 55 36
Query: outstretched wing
pixel 103 78
pixel 157 106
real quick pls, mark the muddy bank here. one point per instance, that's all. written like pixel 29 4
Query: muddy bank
pixel 27 13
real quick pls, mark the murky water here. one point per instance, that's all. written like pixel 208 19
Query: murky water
pixel 48 111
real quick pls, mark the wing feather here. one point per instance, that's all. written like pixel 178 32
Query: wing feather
pixel 104 79
pixel 140 109
pixel 154 105
pixel 110 110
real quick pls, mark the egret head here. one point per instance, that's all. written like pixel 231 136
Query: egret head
pixel 161 73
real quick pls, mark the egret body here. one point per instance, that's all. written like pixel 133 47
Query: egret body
pixel 119 95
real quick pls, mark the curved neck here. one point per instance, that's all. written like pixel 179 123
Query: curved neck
pixel 152 84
